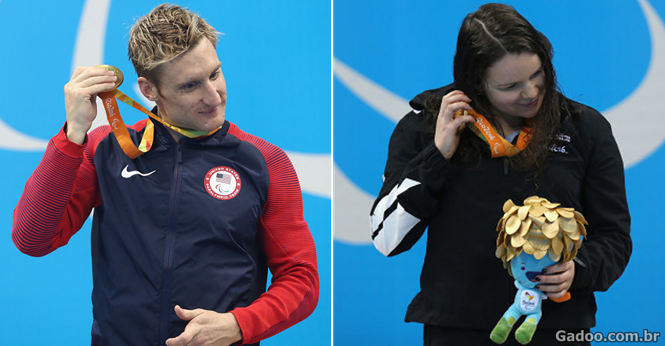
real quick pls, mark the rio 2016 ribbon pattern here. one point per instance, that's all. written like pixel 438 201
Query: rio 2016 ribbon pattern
pixel 118 125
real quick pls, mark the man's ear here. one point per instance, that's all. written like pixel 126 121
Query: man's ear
pixel 148 89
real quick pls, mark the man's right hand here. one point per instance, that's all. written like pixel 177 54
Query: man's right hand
pixel 81 99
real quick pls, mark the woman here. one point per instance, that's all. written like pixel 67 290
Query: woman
pixel 442 175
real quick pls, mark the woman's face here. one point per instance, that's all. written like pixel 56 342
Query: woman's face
pixel 515 85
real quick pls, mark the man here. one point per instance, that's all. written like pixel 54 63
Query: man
pixel 182 235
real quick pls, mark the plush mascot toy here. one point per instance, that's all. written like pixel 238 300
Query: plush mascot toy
pixel 532 237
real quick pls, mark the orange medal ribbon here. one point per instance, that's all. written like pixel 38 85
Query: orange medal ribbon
pixel 499 146
pixel 120 129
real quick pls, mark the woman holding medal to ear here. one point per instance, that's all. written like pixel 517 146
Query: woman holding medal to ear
pixel 501 131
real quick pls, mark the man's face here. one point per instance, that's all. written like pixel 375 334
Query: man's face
pixel 192 89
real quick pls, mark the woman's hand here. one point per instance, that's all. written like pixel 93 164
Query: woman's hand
pixel 446 135
pixel 558 280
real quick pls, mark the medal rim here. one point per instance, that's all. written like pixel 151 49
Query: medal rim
pixel 115 70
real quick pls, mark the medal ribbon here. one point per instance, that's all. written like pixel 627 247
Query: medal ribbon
pixel 499 146
pixel 122 134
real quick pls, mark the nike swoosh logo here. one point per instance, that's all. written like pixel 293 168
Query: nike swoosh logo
pixel 127 174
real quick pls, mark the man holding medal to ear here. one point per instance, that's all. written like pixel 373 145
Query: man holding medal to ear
pixel 190 211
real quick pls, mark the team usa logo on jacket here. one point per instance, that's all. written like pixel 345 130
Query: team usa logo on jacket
pixel 222 183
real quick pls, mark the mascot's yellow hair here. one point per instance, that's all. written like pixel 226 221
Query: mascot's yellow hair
pixel 539 227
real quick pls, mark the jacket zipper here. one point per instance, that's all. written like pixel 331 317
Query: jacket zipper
pixel 168 249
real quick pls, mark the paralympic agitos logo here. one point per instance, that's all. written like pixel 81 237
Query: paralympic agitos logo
pixel 361 95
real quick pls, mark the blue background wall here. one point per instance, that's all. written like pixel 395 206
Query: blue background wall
pixel 276 60
pixel 388 51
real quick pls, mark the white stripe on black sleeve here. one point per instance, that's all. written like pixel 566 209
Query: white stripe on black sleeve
pixel 390 223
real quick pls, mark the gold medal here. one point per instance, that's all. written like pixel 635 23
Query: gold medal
pixel 115 70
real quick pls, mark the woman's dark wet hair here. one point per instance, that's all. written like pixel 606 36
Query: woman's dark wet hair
pixel 486 36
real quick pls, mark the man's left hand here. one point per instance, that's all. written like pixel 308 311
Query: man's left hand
pixel 206 327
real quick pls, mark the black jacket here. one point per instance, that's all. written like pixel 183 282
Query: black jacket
pixel 462 283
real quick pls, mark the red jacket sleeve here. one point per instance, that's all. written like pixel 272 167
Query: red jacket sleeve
pixel 290 252
pixel 58 197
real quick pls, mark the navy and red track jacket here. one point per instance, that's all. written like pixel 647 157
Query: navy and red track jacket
pixel 196 225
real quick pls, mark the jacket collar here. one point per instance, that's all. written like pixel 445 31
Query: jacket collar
pixel 165 138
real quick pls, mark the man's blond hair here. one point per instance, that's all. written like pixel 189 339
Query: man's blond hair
pixel 164 34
